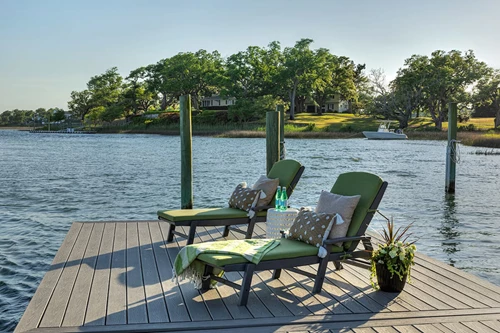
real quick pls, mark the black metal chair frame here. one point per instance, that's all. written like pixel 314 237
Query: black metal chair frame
pixel 350 256
pixel 227 223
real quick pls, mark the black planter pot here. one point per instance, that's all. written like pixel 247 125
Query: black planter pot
pixel 386 282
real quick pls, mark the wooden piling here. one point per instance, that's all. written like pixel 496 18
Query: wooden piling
pixel 272 139
pixel 186 153
pixel 451 153
pixel 281 109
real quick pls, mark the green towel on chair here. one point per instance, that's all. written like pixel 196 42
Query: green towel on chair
pixel 185 266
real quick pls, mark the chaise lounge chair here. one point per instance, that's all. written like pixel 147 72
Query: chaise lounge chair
pixel 288 172
pixel 292 253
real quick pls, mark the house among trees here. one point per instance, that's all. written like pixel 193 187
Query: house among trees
pixel 332 104
pixel 216 102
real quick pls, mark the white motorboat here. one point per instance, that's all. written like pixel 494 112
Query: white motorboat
pixel 385 133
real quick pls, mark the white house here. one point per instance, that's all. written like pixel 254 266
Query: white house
pixel 215 101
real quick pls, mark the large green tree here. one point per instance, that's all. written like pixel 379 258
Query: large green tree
pixel 487 92
pixel 444 77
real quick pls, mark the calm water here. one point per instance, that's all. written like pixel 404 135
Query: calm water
pixel 48 181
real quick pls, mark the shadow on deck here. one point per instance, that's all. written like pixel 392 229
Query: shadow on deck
pixel 117 277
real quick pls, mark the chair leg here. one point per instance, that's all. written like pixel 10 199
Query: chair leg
pixel 205 284
pixel 251 225
pixel 226 231
pixel 170 236
pixel 320 276
pixel 277 273
pixel 338 265
pixel 245 285
pixel 192 232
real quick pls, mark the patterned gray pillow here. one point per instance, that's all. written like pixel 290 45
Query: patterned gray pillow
pixel 311 228
pixel 244 198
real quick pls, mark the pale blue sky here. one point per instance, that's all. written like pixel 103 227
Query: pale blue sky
pixel 49 48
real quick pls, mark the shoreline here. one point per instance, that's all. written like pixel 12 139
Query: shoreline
pixel 474 139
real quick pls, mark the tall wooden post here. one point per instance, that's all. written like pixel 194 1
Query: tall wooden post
pixel 186 153
pixel 451 150
pixel 281 109
pixel 272 139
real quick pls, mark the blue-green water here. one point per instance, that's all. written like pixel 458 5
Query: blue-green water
pixel 47 181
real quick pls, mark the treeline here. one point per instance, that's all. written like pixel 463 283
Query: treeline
pixel 260 77
pixel 18 117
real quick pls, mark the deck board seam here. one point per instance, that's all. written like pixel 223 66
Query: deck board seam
pixel 109 275
pixel 164 241
pixel 76 276
pixel 158 273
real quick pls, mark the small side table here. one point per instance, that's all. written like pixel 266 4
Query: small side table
pixel 278 220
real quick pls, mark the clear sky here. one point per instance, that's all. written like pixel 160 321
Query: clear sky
pixel 50 47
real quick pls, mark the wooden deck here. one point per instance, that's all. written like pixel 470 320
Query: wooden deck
pixel 116 277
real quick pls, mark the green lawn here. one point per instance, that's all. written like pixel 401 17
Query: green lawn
pixel 344 122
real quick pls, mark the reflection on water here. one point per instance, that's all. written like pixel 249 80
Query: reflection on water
pixel 48 181
pixel 450 228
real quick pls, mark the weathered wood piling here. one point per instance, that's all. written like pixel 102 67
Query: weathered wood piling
pixel 451 150
pixel 186 153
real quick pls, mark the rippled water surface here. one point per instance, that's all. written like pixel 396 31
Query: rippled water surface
pixel 47 181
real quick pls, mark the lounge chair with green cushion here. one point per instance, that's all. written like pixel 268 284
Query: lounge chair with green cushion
pixel 292 253
pixel 288 172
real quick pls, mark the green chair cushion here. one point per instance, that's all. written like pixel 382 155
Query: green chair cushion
pixel 358 183
pixel 178 215
pixel 288 248
pixel 285 170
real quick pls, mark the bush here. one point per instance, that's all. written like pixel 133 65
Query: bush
pixel 212 117
pixel 310 127
pixel 346 128
pixel 251 109
pixel 467 128
pixel 169 118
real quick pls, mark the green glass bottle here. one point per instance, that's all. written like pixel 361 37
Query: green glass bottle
pixel 284 198
pixel 277 199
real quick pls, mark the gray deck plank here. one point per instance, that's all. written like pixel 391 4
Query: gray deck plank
pixel 458 327
pixel 428 328
pixel 459 290
pixel 364 330
pixel 479 327
pixel 56 308
pixel 365 290
pixel 117 295
pixel 77 305
pixel 98 300
pixel 492 324
pixel 404 297
pixel 136 298
pixel 406 329
pixel 469 288
pixel 284 305
pixel 155 300
pixel 35 309
pixel 175 303
pixel 192 298
pixel 385 329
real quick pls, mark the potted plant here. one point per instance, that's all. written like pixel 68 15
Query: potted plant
pixel 391 262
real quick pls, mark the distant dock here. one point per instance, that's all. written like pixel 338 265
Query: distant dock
pixel 117 277
pixel 62 132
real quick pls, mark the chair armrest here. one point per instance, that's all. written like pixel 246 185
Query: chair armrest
pixel 345 239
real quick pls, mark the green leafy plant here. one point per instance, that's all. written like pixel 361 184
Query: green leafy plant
pixel 396 253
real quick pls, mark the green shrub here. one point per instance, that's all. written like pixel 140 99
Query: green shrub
pixel 251 109
pixel 310 127
pixel 212 117
pixel 467 128
pixel 169 118
pixel 346 128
